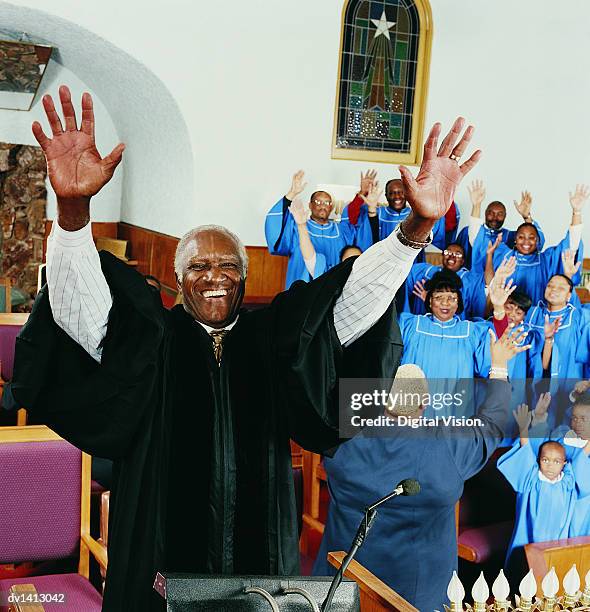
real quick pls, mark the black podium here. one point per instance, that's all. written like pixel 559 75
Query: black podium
pixel 199 593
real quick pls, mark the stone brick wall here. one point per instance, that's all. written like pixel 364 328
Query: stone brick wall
pixel 23 200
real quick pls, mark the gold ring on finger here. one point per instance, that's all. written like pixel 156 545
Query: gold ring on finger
pixel 455 157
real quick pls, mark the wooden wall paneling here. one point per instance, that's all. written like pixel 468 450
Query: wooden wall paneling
pixel 162 262
pixel 255 280
pixel 140 245
pixel 275 273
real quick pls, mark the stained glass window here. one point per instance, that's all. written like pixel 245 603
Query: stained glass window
pixel 383 80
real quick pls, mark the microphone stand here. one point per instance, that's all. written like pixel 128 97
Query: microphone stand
pixel 361 534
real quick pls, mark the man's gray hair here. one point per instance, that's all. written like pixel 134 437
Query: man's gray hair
pixel 181 256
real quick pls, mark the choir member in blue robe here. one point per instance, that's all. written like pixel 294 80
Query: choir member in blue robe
pixel 412 545
pixel 472 289
pixel 565 351
pixel 547 488
pixel 533 266
pixel 477 235
pixel 370 229
pixel 442 344
pixel 451 351
pixel 510 307
pixel 327 236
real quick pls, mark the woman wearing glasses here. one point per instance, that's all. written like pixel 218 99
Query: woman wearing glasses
pixel 453 260
pixel 442 344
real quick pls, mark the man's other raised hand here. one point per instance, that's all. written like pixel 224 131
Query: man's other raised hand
pixel 76 169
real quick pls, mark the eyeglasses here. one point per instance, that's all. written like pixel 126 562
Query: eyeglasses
pixel 443 297
pixel 322 203
pixel 546 461
pixel 577 419
pixel 453 253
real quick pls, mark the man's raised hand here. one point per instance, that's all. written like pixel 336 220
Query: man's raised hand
pixel 431 193
pixel 299 211
pixel 579 197
pixel 297 185
pixel 477 192
pixel 372 198
pixel 523 208
pixel 367 181
pixel 76 169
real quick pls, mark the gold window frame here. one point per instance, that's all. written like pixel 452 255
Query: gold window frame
pixel 414 157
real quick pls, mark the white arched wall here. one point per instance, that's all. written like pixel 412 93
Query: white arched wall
pixel 138 110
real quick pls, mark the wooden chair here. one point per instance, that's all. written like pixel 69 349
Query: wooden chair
pixel 375 595
pixel 46 484
pixel 117 247
pixel 560 554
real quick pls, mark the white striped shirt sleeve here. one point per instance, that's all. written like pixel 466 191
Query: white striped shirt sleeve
pixel 79 295
pixel 376 276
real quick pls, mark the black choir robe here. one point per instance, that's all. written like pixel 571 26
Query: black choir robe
pixel 202 464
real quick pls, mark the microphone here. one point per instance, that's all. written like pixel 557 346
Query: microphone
pixel 408 486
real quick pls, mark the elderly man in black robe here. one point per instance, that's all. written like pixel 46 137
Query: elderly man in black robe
pixel 196 405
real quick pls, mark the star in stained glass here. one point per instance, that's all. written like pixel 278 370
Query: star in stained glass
pixel 383 26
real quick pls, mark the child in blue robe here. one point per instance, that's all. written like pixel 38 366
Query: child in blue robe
pixel 327 236
pixel 472 284
pixel 547 488
pixel 533 266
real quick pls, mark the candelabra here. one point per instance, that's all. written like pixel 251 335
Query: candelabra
pixel 526 601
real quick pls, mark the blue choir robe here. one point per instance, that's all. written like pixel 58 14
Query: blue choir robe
pixel 523 368
pixel 412 545
pixel 583 354
pixel 568 349
pixel 450 353
pixel 567 357
pixel 533 271
pixel 451 349
pixel 473 290
pixel 544 510
pixel 389 219
pixel 282 238
pixel 475 255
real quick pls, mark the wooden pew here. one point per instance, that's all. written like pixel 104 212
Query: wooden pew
pixel 561 554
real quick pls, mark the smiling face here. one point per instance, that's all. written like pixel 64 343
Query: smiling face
pixel 557 292
pixel 526 240
pixel 551 460
pixel 212 282
pixel 444 304
pixel 514 313
pixel 495 215
pixel 321 206
pixel 453 258
pixel 395 195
